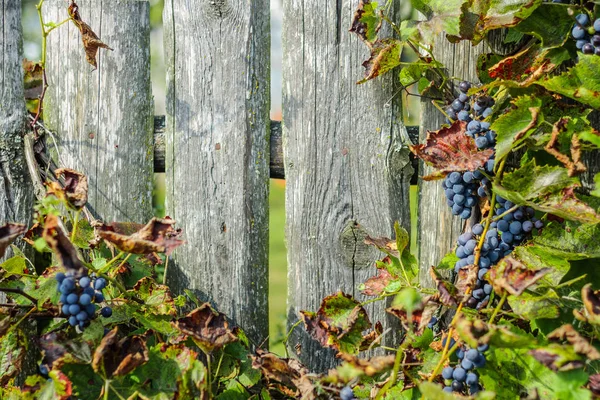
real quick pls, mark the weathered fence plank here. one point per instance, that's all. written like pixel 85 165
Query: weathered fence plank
pixel 437 228
pixel 16 193
pixel 217 153
pixel 347 168
pixel 104 118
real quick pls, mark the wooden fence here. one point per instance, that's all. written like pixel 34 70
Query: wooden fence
pixel 342 147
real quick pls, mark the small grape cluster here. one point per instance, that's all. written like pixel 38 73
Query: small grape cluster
pixel 463 189
pixel 463 375
pixel 587 36
pixel 512 227
pixel 78 295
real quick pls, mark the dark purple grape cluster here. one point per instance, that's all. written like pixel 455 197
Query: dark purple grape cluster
pixel 462 378
pixel 78 295
pixel 513 226
pixel 586 34
pixel 463 189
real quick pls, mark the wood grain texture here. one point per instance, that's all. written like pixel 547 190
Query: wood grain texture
pixel 104 118
pixel 438 229
pixel 347 167
pixel 16 193
pixel 217 157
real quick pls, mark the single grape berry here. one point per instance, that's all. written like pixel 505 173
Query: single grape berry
pixel 100 284
pixel 346 393
pixel 447 372
pixel 106 312
pixel 60 277
pixel 84 282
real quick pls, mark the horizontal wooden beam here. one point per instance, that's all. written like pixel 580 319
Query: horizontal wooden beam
pixel 277 170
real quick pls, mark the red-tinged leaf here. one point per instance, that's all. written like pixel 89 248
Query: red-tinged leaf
pixel 450 149
pixel 418 317
pixel 75 188
pixel 465 281
pixel 119 357
pixel 512 276
pixel 529 65
pixel 158 236
pixel 209 328
pixel 62 247
pixel 8 233
pixel 91 41
pixel 385 56
pixel 375 285
pixel 366 22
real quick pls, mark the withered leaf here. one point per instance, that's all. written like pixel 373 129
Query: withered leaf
pixel 420 316
pixel 385 55
pixel 447 291
pixel 76 187
pixel 465 281
pixel 386 245
pixel 365 24
pixel 32 79
pixel 62 247
pixel 58 348
pixel 286 371
pixel 338 323
pixel 557 358
pixel 91 41
pixel 208 328
pixel 594 384
pixel 525 67
pixel 371 366
pixel 375 285
pixel 573 164
pixel 8 233
pixel 512 276
pixel 119 357
pixel 449 149
pixel 580 344
pixel 591 304
pixel 158 236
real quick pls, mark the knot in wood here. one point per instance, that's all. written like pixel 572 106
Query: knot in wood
pixel 356 254
pixel 219 8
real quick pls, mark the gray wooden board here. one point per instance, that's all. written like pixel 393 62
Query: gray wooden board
pixel 438 229
pixel 347 169
pixel 16 193
pixel 217 154
pixel 104 118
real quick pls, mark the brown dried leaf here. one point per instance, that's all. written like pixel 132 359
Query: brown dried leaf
pixel 371 366
pixel 158 236
pixel 76 187
pixel 209 328
pixel 361 28
pixel 385 55
pixel 591 304
pixel 512 276
pixel 465 281
pixel 580 344
pixel 556 358
pixel 449 149
pixel 62 247
pixel 447 291
pixel 575 166
pixel 91 41
pixel 286 371
pixel 32 79
pixel 119 357
pixel 8 233
pixel 594 384
pixel 420 317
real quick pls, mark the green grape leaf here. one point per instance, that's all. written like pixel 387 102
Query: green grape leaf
pixel 84 234
pixel 157 298
pixel 548 189
pixel 517 124
pixel 551 24
pixel 512 372
pixel 338 323
pixel 580 83
pixel 534 306
pixel 58 386
pixel 442 16
pixel 480 16
pixel 14 266
pixel 569 240
pixel 535 258
pixel 13 347
pixel 596 191
pixel 448 262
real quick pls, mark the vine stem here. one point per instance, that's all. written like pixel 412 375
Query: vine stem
pixel 397 363
pixel 498 307
pixel 106 388
pixel 166 269
pixel 20 292
pixel 446 353
pixel 287 337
